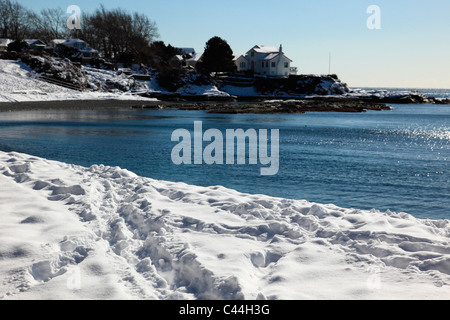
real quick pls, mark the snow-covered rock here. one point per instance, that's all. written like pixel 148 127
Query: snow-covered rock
pixel 195 84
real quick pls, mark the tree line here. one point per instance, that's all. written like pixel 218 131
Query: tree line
pixel 118 34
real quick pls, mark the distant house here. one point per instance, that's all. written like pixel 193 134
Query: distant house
pixel 186 51
pixel 188 57
pixel 36 44
pixel 4 44
pixel 192 62
pixel 85 52
pixel 265 61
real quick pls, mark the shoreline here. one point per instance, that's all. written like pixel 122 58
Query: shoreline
pixel 275 106
pixel 70 105
pixel 260 105
pixel 257 107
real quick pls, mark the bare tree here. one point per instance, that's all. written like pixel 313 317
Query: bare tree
pixel 51 24
pixel 16 22
pixel 4 19
pixel 144 28
pixel 117 32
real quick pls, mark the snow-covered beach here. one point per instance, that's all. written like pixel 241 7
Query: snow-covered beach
pixel 69 232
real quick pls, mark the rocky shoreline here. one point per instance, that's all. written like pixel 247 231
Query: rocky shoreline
pixel 289 104
pixel 272 107
pixel 256 105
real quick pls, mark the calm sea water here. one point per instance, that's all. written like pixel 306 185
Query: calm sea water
pixel 397 160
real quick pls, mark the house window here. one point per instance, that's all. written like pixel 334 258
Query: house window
pixel 267 64
pixel 286 65
pixel 262 64
pixel 274 64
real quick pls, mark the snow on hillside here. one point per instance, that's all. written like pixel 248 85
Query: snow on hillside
pixel 69 232
pixel 194 84
pixel 202 90
pixel 18 82
pixel 248 91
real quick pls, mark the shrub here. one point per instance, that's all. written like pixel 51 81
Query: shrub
pixel 11 55
pixel 170 79
pixel 218 57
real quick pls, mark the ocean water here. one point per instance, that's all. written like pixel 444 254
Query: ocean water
pixel 390 160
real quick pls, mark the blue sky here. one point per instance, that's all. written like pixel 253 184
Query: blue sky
pixel 412 48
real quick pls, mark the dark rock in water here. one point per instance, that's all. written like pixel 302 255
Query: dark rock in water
pixel 442 101
pixel 302 85
pixel 277 107
pixel 405 99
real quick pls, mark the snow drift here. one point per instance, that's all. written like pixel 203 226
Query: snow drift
pixel 69 232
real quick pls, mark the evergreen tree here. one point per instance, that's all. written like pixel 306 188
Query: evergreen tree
pixel 218 57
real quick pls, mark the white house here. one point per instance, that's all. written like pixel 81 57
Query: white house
pixel 192 62
pixel 188 57
pixel 185 51
pixel 86 53
pixel 36 44
pixel 265 61
pixel 4 44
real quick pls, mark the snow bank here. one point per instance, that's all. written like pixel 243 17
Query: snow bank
pixel 69 232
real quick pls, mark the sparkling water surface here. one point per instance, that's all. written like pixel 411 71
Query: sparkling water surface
pixel 397 160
